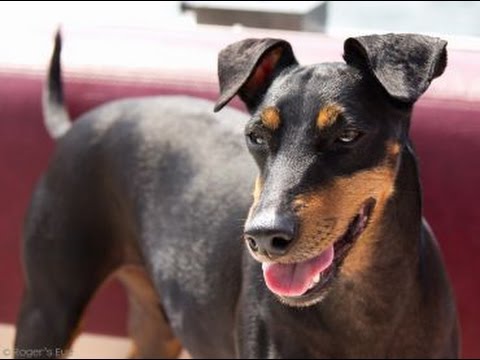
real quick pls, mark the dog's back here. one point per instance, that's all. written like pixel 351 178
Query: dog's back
pixel 155 183
pixel 151 186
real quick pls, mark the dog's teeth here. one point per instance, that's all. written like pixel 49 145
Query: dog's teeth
pixel 364 220
pixel 316 279
pixel 264 266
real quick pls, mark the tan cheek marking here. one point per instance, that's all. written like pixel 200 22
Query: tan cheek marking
pixel 325 215
pixel 271 118
pixel 381 187
pixel 393 148
pixel 328 115
pixel 257 191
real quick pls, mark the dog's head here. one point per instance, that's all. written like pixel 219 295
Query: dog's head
pixel 328 140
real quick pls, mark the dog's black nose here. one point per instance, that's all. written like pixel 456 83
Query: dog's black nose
pixel 270 234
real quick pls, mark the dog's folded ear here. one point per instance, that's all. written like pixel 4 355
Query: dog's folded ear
pixel 248 67
pixel 403 64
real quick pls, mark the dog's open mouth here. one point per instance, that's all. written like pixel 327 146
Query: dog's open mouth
pixel 306 282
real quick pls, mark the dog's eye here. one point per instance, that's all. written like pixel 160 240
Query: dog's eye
pixel 255 139
pixel 348 136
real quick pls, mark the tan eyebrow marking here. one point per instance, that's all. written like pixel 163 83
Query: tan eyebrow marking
pixel 271 118
pixel 328 115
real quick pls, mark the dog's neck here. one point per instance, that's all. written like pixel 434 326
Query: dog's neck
pixel 402 218
pixel 393 262
pixel 373 303
pixel 400 235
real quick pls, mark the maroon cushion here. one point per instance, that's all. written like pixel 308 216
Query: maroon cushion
pixel 445 129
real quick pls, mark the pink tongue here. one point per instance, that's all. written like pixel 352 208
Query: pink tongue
pixel 295 279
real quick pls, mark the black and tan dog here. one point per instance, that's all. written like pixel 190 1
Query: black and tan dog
pixel 156 191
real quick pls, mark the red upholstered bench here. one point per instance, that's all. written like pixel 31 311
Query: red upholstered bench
pixel 110 64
